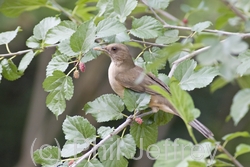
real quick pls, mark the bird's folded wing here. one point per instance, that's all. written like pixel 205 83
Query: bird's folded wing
pixel 138 81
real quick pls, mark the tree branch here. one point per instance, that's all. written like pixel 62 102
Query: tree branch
pixel 24 51
pixel 242 35
pixel 163 13
pixel 169 16
pixel 234 160
pixel 235 10
pixel 116 131
pixel 178 61
pixel 148 43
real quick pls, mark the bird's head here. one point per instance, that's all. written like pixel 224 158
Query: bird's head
pixel 119 53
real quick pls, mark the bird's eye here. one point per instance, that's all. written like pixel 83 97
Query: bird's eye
pixel 114 48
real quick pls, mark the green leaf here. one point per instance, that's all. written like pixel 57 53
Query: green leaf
pixel 127 146
pixel 164 78
pixel 48 156
pixel 10 71
pixel 58 62
pixel 80 134
pixel 190 79
pixel 90 55
pixel 242 149
pixel 33 42
pixel 180 100
pixel 196 164
pixel 201 26
pixel 185 69
pixel 62 31
pixel 102 6
pixel 7 37
pixel 232 45
pixel 90 163
pixel 154 59
pixel 105 108
pixel 217 84
pixel 179 153
pixel 144 134
pixel 84 10
pixel 109 27
pixel 110 153
pixel 222 156
pixel 64 47
pixel 136 101
pixel 13 8
pixel 84 38
pixel 26 60
pixel 169 37
pixel 244 81
pixel 199 79
pixel 158 4
pixel 60 87
pixel 77 127
pixel 118 38
pixel 240 105
pixel 74 147
pixel 123 8
pixel 146 27
pixel 232 136
pixel 104 131
pixel 41 29
pixel 220 163
pixel 162 118
pixel 245 61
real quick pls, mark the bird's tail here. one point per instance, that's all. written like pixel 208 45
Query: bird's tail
pixel 202 129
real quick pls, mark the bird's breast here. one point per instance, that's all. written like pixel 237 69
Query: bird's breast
pixel 115 85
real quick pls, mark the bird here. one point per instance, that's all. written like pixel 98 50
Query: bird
pixel 124 74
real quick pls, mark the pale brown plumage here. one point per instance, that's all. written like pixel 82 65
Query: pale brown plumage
pixel 123 73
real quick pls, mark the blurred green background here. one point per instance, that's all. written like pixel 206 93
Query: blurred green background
pixel 25 120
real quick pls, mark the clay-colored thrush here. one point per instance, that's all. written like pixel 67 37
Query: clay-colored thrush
pixel 123 73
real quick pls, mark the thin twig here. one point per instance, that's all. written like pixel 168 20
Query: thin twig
pixel 235 10
pixel 69 15
pixel 148 43
pixel 24 51
pixel 169 16
pixel 163 13
pixel 242 35
pixel 234 160
pixel 116 131
pixel 178 61
pixel 156 15
pixel 145 114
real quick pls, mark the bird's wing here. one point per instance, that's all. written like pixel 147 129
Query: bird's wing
pixel 138 81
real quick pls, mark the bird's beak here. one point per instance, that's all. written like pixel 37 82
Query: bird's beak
pixel 102 49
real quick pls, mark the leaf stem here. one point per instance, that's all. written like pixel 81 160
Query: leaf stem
pixel 191 134
pixel 7 47
pixel 71 71
pixel 123 132
pixel 94 156
pixel 141 52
